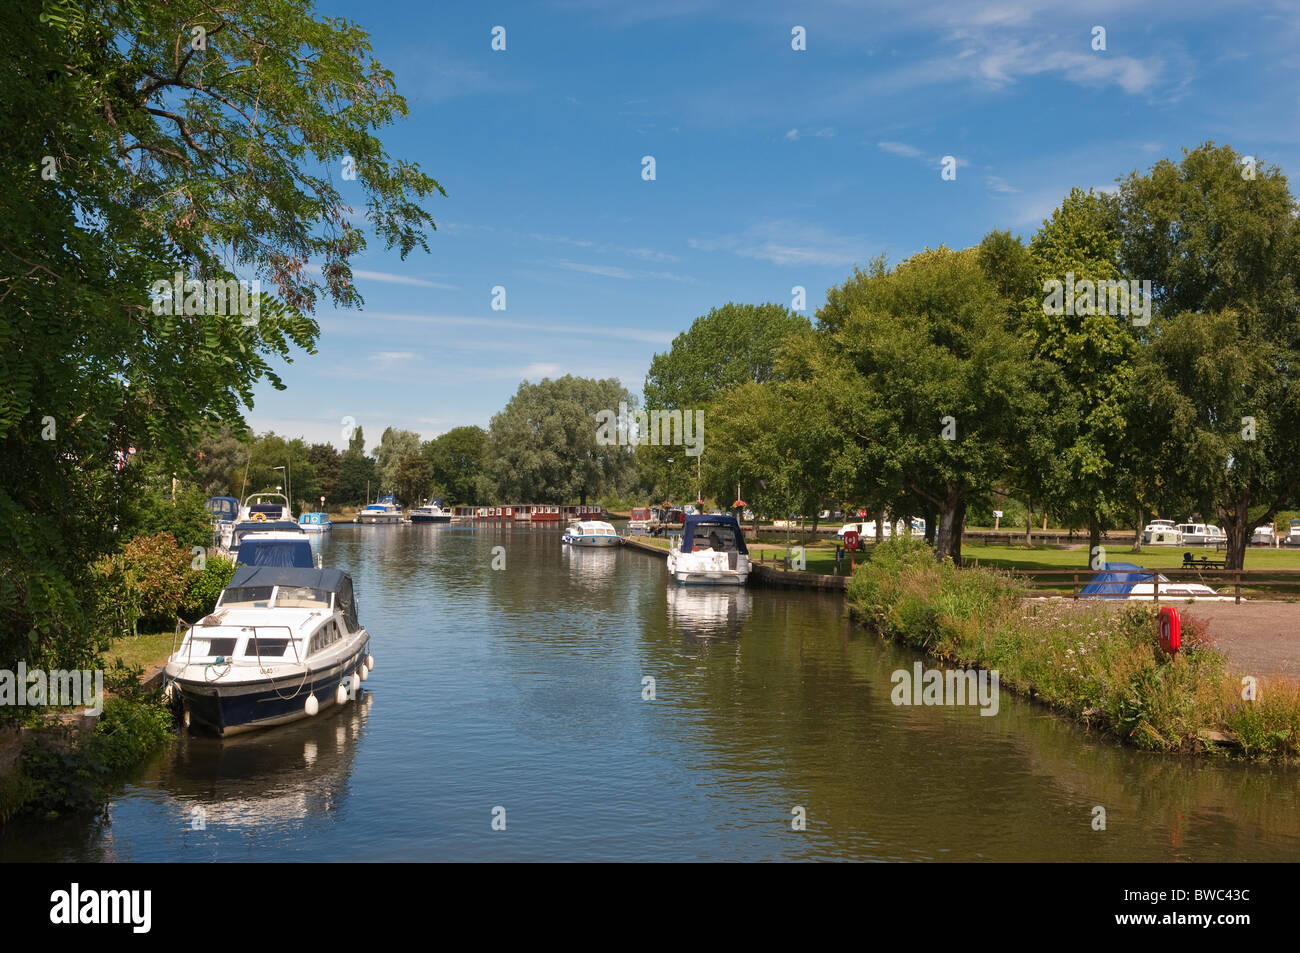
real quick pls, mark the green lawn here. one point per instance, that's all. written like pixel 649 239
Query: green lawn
pixel 145 649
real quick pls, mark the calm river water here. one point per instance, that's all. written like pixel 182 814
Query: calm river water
pixel 522 689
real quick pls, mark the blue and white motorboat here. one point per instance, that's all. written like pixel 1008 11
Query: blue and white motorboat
pixel 594 533
pixel 223 511
pixel 315 522
pixel 384 510
pixel 257 526
pixel 277 549
pixel 431 512
pixel 282 644
pixel 272 507
pixel 711 552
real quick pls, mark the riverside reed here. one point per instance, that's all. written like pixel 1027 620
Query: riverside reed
pixel 1105 669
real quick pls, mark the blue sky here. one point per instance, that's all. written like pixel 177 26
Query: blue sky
pixel 774 167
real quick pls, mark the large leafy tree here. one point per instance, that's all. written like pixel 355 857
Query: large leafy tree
pixel 542 448
pixel 729 346
pixel 940 376
pixel 456 460
pixel 1218 414
pixel 1073 447
pixel 144 138
pixel 395 447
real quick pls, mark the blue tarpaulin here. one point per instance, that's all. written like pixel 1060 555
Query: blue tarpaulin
pixel 1116 581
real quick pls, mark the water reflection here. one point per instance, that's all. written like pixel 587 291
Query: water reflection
pixel 268 778
pixel 708 612
pixel 591 566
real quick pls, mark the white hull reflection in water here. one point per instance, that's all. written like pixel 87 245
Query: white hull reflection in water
pixel 708 612
pixel 595 567
pixel 268 780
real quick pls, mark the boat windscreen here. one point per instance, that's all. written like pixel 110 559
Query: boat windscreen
pixel 302 597
pixel 246 597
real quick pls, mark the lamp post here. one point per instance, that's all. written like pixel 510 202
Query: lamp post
pixel 288 480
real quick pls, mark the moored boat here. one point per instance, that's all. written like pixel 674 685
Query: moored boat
pixel 431 512
pixel 1162 533
pixel 315 522
pixel 384 510
pixel 282 644
pixel 711 551
pixel 223 511
pixel 591 533
pixel 272 507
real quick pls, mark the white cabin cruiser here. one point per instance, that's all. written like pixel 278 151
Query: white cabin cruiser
pixel 1293 534
pixel 1202 534
pixel 385 510
pixel 711 552
pixel 272 507
pixel 431 512
pixel 1162 533
pixel 1264 536
pixel 591 533
pixel 282 644
pixel 1127 581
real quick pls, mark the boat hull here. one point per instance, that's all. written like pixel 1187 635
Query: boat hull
pixel 424 518
pixel 379 520
pixel 235 708
pixel 592 542
pixel 720 577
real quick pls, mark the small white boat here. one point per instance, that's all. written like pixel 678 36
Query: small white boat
pixel 1162 533
pixel 590 533
pixel 1264 536
pixel 1202 534
pixel 1127 581
pixel 315 522
pixel 431 512
pixel 282 644
pixel 385 510
pixel 711 551
pixel 1293 534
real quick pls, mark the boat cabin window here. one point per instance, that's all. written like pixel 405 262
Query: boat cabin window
pixel 302 597
pixel 327 634
pixel 264 647
pixel 719 538
pixel 205 647
pixel 247 597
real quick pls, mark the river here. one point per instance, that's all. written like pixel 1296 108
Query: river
pixel 516 694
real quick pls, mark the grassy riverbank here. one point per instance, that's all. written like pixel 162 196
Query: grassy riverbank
pixel 1106 670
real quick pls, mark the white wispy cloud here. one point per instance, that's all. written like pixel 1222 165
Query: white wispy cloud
pixel 390 278
pixel 789 243
pixel 901 149
pixel 826 132
pixel 645 254
pixel 363 324
pixel 998 184
pixel 623 274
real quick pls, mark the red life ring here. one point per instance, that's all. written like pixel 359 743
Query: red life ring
pixel 1171 629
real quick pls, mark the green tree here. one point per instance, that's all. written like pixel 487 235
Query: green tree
pixel 941 378
pixel 722 349
pixel 1219 385
pixel 395 448
pixel 1073 446
pixel 132 155
pixel 542 447
pixel 456 461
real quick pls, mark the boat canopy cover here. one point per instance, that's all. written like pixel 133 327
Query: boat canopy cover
pixel 701 526
pixel 1116 581
pixel 329 580
pixel 223 507
pixel 313 519
pixel 245 527
pixel 259 551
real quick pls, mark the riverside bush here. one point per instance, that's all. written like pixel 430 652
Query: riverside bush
pixel 1101 663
